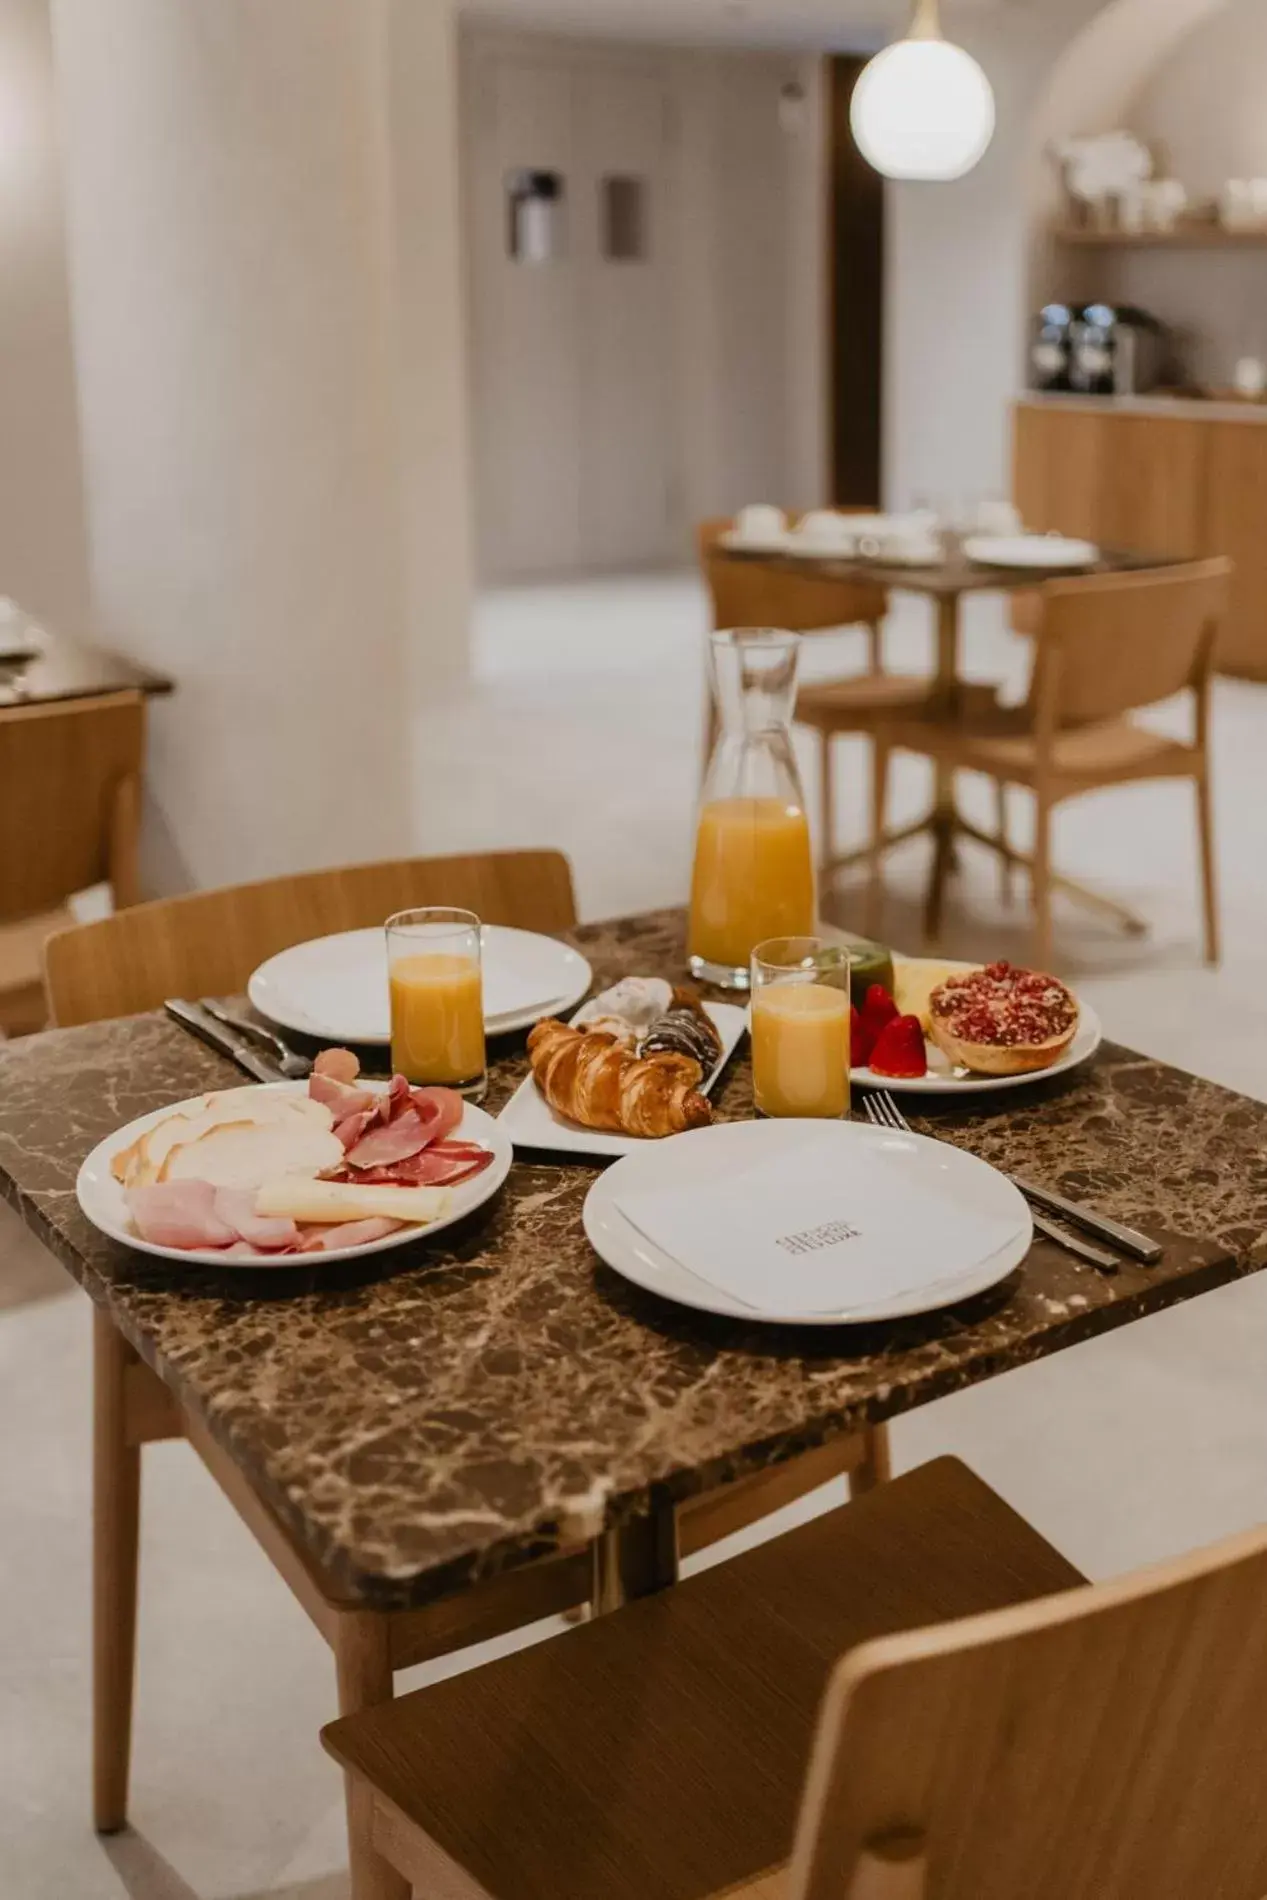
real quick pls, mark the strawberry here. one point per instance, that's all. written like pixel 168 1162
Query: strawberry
pixel 899 1050
pixel 878 1012
pixel 860 1039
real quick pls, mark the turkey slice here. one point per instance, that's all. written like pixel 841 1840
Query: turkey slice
pixel 147 1160
pixel 246 1153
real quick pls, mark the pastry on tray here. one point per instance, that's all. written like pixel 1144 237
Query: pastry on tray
pixel 1003 1021
pixel 598 1081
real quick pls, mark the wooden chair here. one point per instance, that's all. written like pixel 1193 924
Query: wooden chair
pixel 756 594
pixel 208 943
pixel 996 1730
pixel 70 799
pixel 1105 646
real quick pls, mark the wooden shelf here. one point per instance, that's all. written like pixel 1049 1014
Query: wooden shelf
pixel 1189 237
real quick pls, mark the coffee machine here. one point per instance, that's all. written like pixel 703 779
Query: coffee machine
pixel 1051 348
pixel 1115 350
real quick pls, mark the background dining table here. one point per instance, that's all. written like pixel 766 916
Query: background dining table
pixel 427 1418
pixel 64 668
pixel 946 583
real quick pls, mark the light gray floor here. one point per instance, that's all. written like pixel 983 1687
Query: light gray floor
pixel 582 726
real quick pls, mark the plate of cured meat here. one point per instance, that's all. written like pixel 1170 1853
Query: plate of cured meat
pixel 289 1173
pixel 963 1028
pixel 636 1064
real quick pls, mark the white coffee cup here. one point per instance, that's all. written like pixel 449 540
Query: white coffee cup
pixel 1001 518
pixel 823 528
pixel 1250 377
pixel 760 522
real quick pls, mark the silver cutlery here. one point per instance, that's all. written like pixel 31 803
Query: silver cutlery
pixel 295 1067
pixel 882 1111
pixel 226 1041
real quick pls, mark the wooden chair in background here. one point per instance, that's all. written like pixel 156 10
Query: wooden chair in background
pixel 996 1730
pixel 752 593
pixel 1105 646
pixel 207 944
pixel 70 801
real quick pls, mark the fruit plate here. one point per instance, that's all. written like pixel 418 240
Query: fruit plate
pixel 943 1079
pixel 531 1123
pixel 101 1197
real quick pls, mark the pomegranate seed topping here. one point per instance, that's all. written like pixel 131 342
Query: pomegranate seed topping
pixel 1002 1007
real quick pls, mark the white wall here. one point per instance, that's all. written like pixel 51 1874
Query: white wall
pixel 747 238
pixel 958 276
pixel 43 550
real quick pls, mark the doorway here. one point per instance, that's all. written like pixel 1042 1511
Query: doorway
pixel 856 300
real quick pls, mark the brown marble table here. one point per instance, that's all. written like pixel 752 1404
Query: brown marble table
pixel 431 1416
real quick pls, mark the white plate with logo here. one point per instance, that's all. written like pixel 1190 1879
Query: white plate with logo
pixel 922 1168
pixel 336 987
pixel 530 1121
pixel 1030 550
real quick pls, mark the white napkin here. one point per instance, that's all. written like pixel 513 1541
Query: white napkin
pixel 817 1229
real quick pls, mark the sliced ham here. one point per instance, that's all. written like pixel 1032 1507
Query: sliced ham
pixel 354 1233
pixel 339 1064
pixel 341 1098
pixel 179 1214
pixel 440 1111
pixel 267 1234
pixel 399 1098
pixel 390 1141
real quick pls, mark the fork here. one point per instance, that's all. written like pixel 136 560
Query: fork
pixel 882 1111
pixel 294 1067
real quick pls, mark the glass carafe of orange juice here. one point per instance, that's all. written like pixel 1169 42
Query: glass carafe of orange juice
pixel 754 867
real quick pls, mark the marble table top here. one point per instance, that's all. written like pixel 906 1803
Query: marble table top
pixel 430 1416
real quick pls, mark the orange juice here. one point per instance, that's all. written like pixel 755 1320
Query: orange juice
pixel 800 1050
pixel 754 878
pixel 437 1018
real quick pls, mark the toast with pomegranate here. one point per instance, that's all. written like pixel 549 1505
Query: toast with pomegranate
pixel 1003 1021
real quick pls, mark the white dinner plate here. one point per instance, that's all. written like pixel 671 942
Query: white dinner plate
pixel 707 1154
pixel 1030 550
pixel 101 1196
pixel 942 1079
pixel 530 1121
pixel 336 987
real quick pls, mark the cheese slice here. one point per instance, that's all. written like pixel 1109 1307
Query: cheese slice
pixel 297 1199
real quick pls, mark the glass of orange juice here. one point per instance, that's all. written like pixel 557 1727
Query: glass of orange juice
pixel 753 876
pixel 800 1028
pixel 437 995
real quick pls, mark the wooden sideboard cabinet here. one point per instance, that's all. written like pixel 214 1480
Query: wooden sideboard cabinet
pixel 1186 483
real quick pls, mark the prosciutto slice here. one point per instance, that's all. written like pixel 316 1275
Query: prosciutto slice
pixel 179 1214
pixel 437 1166
pixel 351 1130
pixel 440 1110
pixel 351 1233
pixel 391 1141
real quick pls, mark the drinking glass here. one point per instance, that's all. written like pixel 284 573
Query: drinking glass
pixel 437 996
pixel 800 1028
pixel 754 869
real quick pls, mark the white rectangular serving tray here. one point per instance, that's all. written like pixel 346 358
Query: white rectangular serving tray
pixel 531 1123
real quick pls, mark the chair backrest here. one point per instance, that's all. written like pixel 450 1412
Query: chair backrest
pixel 207 944
pixel 1111 643
pixel 70 778
pixel 760 594
pixel 1105 1744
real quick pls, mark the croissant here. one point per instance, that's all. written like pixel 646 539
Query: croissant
pixel 592 1079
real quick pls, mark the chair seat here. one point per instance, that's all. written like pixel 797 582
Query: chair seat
pixel 1005 747
pixel 23 1008
pixel 659 1754
pixel 857 704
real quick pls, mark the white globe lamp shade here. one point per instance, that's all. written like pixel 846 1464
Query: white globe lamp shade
pixel 923 109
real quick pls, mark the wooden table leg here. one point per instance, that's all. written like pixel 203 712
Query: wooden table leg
pixel 945 818
pixel 362 1654
pixel 634 1559
pixel 116 1507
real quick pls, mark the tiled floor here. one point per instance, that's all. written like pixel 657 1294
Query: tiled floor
pixel 582 726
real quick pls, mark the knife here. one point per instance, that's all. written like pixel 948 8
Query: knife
pixel 236 1047
pixel 1127 1238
